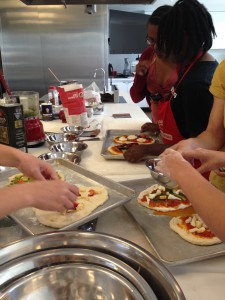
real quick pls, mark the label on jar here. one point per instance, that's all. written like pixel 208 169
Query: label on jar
pixel 46 111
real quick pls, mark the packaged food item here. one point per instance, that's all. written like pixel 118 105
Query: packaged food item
pixel 12 126
pixel 72 97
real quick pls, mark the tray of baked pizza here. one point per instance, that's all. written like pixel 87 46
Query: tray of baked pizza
pixel 168 245
pixel 109 141
pixel 117 195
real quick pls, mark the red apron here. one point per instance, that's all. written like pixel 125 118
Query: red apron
pixel 167 124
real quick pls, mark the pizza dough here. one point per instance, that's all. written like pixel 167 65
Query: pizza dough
pixel 133 138
pixel 21 178
pixel 193 230
pixel 119 149
pixel 159 198
pixel 90 198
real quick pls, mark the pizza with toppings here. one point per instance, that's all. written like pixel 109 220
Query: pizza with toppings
pixel 89 199
pixel 133 138
pixel 159 198
pixel 119 148
pixel 20 178
pixel 194 230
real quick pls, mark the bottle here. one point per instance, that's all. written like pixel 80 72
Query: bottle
pixel 53 95
pixel 126 70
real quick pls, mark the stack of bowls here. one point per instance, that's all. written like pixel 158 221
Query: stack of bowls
pixel 83 265
pixel 65 145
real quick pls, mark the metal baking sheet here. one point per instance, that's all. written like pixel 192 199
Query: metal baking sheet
pixel 108 141
pixel 118 195
pixel 168 245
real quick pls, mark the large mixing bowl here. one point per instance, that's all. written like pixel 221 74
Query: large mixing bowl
pixel 72 264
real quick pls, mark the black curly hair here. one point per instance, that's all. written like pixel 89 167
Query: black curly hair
pixel 157 14
pixel 184 30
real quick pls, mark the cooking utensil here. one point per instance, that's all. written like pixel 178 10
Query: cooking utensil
pixel 78 130
pixel 54 75
pixel 58 251
pixel 74 158
pixel 158 176
pixel 56 138
pixel 118 195
pixel 118 278
pixel 74 147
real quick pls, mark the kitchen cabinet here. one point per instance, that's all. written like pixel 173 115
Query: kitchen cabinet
pixel 124 85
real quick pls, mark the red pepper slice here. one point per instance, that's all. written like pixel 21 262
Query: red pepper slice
pixel 91 193
pixel 75 204
pixel 21 181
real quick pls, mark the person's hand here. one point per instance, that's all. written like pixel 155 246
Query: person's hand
pixel 36 168
pixel 136 153
pixel 142 67
pixel 53 195
pixel 152 128
pixel 184 145
pixel 169 160
pixel 210 159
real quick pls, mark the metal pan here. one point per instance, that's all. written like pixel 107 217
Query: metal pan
pixel 118 195
pixel 168 245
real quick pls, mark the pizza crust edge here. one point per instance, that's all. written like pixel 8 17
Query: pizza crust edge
pixel 191 238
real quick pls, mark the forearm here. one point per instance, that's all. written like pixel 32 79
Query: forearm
pixel 208 201
pixel 10 156
pixel 214 136
pixel 12 199
pixel 138 89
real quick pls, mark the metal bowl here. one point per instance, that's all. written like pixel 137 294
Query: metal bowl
pixel 73 273
pixel 44 251
pixel 158 176
pixel 56 138
pixel 78 130
pixel 73 157
pixel 73 147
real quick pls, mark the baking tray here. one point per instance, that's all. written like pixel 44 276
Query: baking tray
pixel 118 195
pixel 108 141
pixel 168 245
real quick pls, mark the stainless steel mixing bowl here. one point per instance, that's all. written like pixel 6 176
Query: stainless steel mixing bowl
pixel 73 157
pixel 104 263
pixel 158 176
pixel 78 130
pixel 56 138
pixel 74 147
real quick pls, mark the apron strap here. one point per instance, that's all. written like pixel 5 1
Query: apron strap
pixel 172 93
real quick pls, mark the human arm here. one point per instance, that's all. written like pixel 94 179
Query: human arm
pixel 53 195
pixel 214 135
pixel 138 91
pixel 208 201
pixel 26 163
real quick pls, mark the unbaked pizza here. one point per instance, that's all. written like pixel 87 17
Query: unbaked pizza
pixel 20 178
pixel 133 138
pixel 119 148
pixel 194 230
pixel 89 199
pixel 159 198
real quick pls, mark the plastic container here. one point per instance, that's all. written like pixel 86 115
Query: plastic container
pixel 126 70
pixel 53 95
